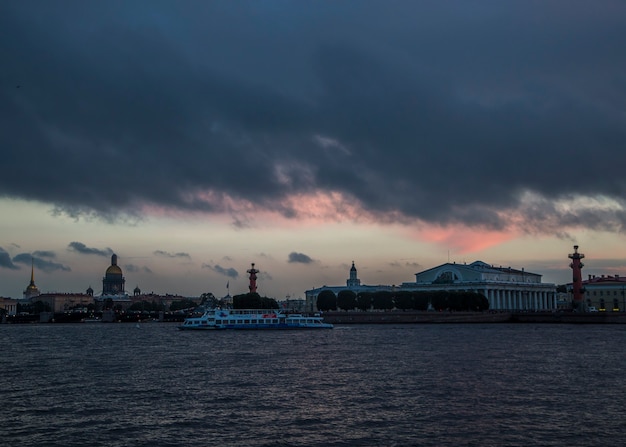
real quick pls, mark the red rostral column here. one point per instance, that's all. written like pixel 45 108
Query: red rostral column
pixel 577 281
pixel 253 273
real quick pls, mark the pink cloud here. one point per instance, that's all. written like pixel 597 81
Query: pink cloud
pixel 463 239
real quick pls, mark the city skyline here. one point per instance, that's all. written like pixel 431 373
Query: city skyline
pixel 195 139
pixel 149 271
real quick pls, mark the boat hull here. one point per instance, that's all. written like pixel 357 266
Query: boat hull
pixel 251 327
pixel 252 319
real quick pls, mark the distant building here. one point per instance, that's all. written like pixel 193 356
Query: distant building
pixel 31 289
pixel 353 283
pixel 9 305
pixel 504 287
pixel 605 292
pixel 113 295
pixel 113 281
pixel 293 305
pixel 164 300
pixel 63 302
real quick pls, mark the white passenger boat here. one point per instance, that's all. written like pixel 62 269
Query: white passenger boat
pixel 253 319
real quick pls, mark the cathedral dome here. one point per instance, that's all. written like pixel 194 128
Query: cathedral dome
pixel 114 270
pixel 113 281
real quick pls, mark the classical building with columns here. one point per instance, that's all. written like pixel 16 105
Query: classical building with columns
pixel 505 288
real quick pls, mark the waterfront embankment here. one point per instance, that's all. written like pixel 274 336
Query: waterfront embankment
pixel 423 317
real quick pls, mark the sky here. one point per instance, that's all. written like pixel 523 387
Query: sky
pixel 194 138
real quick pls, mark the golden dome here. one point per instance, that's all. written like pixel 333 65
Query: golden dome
pixel 114 270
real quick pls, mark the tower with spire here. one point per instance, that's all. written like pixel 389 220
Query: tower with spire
pixel 353 281
pixel 31 290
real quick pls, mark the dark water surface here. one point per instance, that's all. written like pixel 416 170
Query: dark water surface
pixel 422 385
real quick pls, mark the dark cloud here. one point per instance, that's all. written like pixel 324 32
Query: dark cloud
pixel 44 254
pixel 299 258
pixel 5 260
pixel 83 249
pixel 229 272
pixel 400 264
pixel 40 264
pixel 487 114
pixel 172 255
pixel 132 268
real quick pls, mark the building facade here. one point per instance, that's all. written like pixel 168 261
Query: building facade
pixel 504 287
pixel 8 305
pixel 604 292
pixel 63 302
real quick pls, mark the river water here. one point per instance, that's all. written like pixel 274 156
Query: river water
pixel 369 385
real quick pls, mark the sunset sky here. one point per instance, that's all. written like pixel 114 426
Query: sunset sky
pixel 193 138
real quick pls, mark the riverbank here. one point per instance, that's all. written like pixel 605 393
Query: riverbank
pixel 357 317
pixel 423 317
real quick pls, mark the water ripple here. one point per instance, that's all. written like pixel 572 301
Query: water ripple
pixel 422 385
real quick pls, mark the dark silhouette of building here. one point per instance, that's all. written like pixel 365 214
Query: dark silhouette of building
pixel 113 281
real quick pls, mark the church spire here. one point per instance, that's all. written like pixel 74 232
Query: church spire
pixel 32 271
pixel 32 289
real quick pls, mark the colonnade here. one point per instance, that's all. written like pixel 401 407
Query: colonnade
pixel 512 299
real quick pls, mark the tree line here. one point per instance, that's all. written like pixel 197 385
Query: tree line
pixel 253 301
pixel 402 300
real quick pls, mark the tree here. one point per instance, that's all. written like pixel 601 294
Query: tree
pixel 326 300
pixel 382 300
pixel 144 305
pixel 439 299
pixel 185 303
pixel 208 300
pixel 404 300
pixel 460 301
pixel 346 300
pixel 421 300
pixel 253 301
pixel 364 300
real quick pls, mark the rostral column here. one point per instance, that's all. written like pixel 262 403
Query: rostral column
pixel 577 281
pixel 252 273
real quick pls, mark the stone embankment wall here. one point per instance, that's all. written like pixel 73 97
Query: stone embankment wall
pixel 398 317
pixel 395 317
